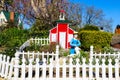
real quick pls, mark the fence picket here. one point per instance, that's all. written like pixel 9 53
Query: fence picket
pixel 90 69
pixel 3 66
pixel 23 69
pixel 51 69
pixel 16 66
pixel 44 69
pixel 116 69
pixel 30 69
pixel 0 63
pixel 64 68
pixel 110 68
pixel 103 69
pixel 97 68
pixel 77 69
pixel 7 67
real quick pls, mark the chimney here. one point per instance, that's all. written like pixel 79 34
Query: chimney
pixel 12 16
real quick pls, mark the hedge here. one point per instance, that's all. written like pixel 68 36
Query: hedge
pixel 98 39
pixel 11 39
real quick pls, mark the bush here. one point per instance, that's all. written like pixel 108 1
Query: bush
pixel 12 38
pixel 96 38
pixel 90 27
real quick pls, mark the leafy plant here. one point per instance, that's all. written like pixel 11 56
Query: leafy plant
pixel 96 38
pixel 11 39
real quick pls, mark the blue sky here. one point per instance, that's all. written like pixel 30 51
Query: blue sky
pixel 111 8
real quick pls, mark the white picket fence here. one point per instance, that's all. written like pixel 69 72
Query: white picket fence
pixel 36 41
pixel 40 41
pixel 27 66
pixel 95 55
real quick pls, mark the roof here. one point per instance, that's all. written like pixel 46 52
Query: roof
pixel 115 39
pixel 7 15
pixel 63 21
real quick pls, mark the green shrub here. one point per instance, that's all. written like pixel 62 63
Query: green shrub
pixel 11 39
pixel 96 38
pixel 90 27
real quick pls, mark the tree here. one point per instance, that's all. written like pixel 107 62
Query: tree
pixel 93 15
pixel 45 10
pixel 74 13
pixel 96 17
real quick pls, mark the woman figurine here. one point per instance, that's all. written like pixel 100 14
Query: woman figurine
pixel 74 43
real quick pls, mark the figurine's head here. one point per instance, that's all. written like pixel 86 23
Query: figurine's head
pixel 75 35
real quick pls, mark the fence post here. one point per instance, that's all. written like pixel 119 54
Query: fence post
pixel 57 52
pixel 91 52
pixel 16 68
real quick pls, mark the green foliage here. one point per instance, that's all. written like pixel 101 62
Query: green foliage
pixel 49 48
pixel 80 56
pixel 12 38
pixel 90 27
pixel 32 47
pixel 9 52
pixel 39 29
pixel 96 38
pixel 45 48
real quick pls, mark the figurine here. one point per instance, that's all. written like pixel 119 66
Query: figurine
pixel 74 43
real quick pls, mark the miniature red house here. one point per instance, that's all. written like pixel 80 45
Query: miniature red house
pixel 62 34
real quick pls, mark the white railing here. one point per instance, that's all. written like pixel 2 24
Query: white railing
pixel 27 67
pixel 41 55
pixel 56 71
pixel 40 41
pixel 36 41
pixel 95 55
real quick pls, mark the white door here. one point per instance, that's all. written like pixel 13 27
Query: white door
pixel 62 39
pixel 53 37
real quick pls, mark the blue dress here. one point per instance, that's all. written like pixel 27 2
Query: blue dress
pixel 74 43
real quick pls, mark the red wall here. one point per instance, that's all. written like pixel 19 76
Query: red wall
pixel 62 27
